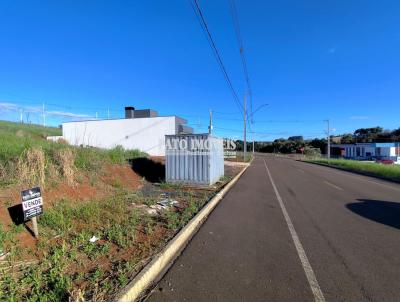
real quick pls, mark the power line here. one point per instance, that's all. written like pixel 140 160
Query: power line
pixel 239 39
pixel 203 24
pixel 267 133
pixel 291 121
pixel 226 113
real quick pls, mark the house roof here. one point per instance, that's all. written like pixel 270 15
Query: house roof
pixel 372 145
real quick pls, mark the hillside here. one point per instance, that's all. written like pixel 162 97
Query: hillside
pixel 27 158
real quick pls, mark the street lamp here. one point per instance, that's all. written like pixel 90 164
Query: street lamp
pixel 252 119
pixel 254 111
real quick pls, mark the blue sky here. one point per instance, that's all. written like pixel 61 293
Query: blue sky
pixel 309 60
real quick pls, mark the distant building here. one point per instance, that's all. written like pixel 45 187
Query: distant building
pixel 140 129
pixel 367 151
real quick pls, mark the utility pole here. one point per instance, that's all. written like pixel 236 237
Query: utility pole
pixel 44 115
pixel 328 139
pixel 108 113
pixel 244 129
pixel 210 127
pixel 253 143
pixel 20 116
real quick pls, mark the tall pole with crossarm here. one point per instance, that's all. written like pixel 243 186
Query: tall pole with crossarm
pixel 244 128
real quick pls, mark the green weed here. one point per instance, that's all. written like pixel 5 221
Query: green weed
pixel 172 218
pixel 380 170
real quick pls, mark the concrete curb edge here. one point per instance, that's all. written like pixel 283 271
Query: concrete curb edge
pixel 156 268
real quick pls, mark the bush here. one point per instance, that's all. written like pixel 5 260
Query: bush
pixel 119 155
pixel 116 155
pixel 310 151
pixel 88 159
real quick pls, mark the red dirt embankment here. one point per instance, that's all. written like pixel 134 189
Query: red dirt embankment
pixel 113 177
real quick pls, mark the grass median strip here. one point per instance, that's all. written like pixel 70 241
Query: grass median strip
pixel 374 169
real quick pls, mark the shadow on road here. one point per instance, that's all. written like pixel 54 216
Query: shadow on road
pixel 385 212
pixel 151 170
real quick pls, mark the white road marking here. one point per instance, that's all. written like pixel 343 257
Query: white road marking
pixel 332 185
pixel 312 280
pixel 300 170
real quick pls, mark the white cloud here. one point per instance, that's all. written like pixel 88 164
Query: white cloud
pixel 4 106
pixel 67 114
pixel 8 107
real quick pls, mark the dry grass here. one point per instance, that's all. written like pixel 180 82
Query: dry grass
pixel 20 133
pixel 53 173
pixel 31 167
pixel 3 171
pixel 62 141
pixel 65 159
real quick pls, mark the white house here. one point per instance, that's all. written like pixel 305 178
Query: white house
pixel 140 129
pixel 365 151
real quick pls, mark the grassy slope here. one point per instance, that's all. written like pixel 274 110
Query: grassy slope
pixel 386 171
pixel 15 139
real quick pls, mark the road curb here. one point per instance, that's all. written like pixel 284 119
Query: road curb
pixel 154 270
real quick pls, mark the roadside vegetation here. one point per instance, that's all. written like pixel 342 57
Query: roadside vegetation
pixel 373 169
pixel 27 157
pixel 300 145
pixel 88 248
pixel 238 156
pixel 67 265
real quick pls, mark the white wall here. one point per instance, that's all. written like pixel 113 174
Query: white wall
pixel 385 151
pixel 54 138
pixel 145 134
pixel 370 150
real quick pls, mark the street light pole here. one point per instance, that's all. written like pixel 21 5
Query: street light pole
pixel 328 139
pixel 252 118
pixel 253 143
pixel 210 127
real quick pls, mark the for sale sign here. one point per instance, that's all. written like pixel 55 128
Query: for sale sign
pixel 32 203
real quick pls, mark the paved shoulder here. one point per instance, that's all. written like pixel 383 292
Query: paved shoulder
pixel 244 252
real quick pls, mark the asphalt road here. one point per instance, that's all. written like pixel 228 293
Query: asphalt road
pixel 301 232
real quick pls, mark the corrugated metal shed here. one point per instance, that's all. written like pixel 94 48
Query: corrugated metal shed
pixel 194 159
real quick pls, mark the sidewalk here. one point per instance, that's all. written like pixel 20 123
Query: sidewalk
pixel 243 252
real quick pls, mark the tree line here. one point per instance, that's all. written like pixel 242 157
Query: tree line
pixel 297 144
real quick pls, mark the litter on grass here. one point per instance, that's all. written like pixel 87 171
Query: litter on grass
pixel 159 207
pixel 167 203
pixel 3 255
pixel 93 239
pixel 152 212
